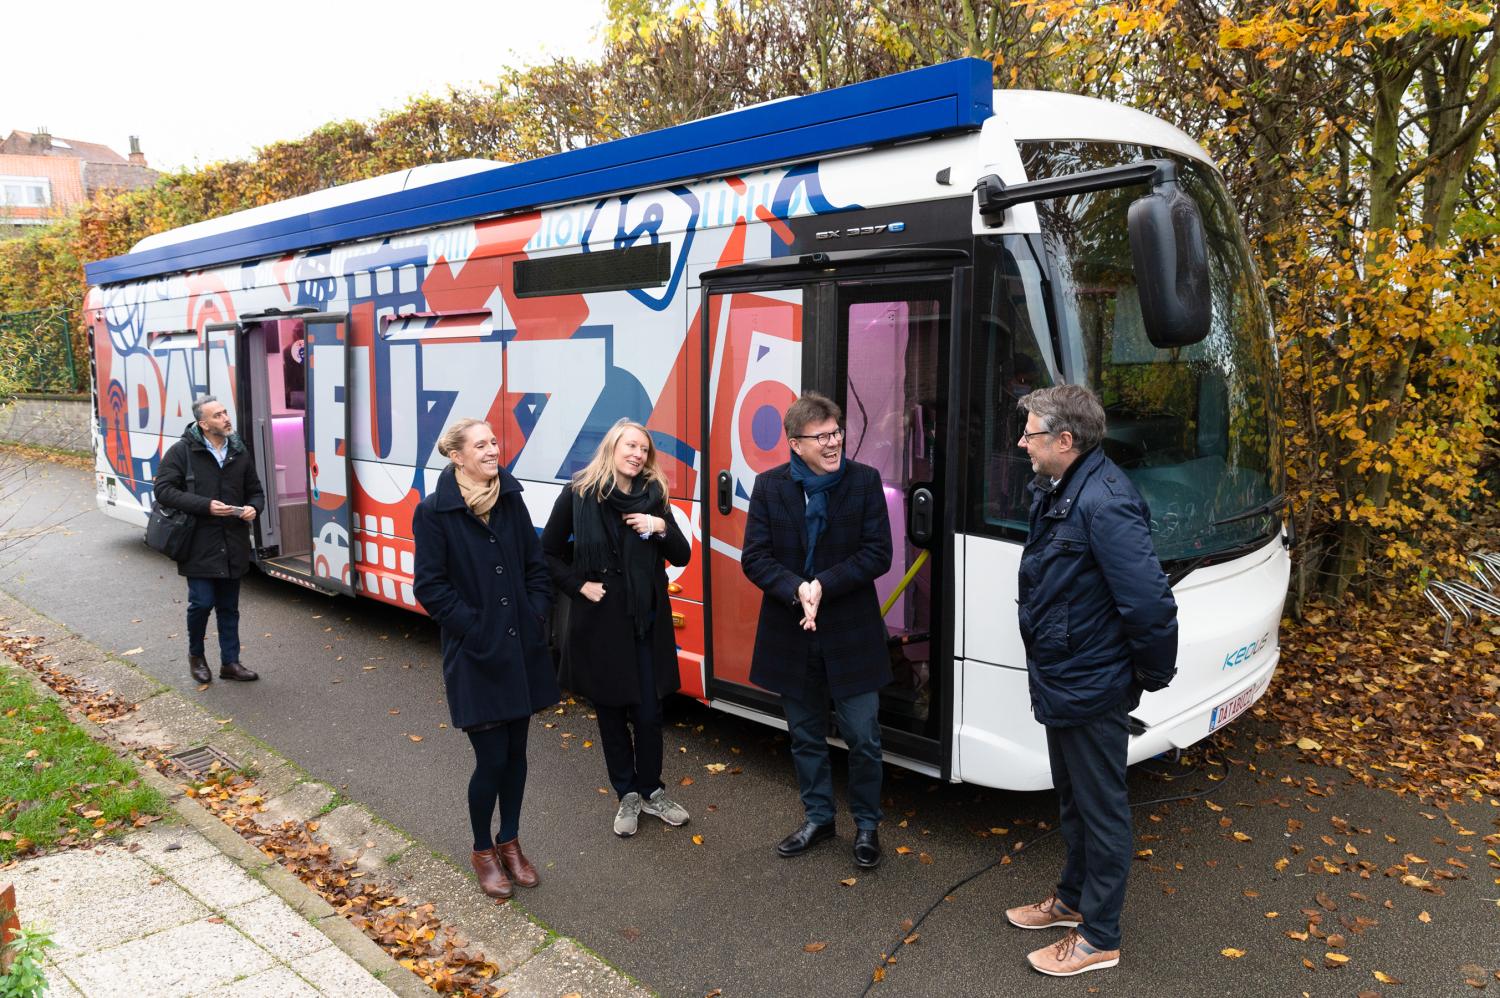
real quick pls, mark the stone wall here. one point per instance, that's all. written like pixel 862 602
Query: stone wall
pixel 48 421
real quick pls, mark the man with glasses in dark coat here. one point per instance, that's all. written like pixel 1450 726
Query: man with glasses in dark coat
pixel 1100 625
pixel 818 535
pixel 225 497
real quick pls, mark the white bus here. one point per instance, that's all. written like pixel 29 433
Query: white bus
pixel 922 248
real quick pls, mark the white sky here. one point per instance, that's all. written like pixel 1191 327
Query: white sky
pixel 210 80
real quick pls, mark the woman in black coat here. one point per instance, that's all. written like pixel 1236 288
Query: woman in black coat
pixel 480 574
pixel 607 541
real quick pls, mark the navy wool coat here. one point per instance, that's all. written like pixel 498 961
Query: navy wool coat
pixel 853 552
pixel 601 636
pixel 1097 613
pixel 220 548
pixel 487 587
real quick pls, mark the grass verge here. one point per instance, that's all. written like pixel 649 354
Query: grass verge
pixel 59 787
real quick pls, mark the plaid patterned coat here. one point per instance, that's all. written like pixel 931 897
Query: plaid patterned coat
pixel 853 552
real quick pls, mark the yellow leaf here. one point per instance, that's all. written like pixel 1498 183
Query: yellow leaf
pixel 697 840
pixel 415 738
pixel 1473 740
pixel 1424 918
pixel 1241 837
pixel 849 881
pixel 1385 978
pixel 1338 958
pixel 1282 863
pixel 903 850
pixel 1308 745
pixel 1231 952
pixel 814 947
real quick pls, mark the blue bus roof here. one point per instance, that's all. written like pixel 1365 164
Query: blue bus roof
pixel 952 96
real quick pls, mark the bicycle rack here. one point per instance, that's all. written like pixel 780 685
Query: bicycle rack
pixel 1466 598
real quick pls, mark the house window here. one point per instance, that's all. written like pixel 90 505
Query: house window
pixel 25 192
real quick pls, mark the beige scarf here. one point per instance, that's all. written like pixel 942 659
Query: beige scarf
pixel 480 498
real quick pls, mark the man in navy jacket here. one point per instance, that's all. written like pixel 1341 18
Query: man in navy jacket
pixel 1100 625
pixel 817 537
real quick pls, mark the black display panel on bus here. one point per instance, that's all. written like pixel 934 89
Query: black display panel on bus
pixel 600 270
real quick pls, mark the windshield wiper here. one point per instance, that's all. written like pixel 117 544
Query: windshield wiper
pixel 1264 509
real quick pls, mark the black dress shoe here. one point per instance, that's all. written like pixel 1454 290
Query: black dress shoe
pixel 867 848
pixel 804 838
pixel 237 672
pixel 198 666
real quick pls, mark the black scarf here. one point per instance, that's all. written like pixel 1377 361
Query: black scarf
pixel 601 540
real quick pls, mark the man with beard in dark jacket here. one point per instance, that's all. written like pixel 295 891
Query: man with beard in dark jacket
pixel 225 496
pixel 1100 625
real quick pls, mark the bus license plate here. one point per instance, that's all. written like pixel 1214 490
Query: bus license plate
pixel 1231 708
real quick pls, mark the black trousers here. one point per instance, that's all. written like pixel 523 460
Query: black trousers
pixel 1088 769
pixel 499 777
pixel 632 735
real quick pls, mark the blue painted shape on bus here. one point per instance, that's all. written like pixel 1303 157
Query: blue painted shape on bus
pixel 950 97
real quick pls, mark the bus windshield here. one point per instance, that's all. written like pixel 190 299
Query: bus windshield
pixel 1195 428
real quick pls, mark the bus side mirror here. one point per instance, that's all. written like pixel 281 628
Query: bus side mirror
pixel 1171 266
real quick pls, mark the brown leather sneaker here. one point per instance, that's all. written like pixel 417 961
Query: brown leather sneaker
pixel 1070 956
pixel 515 861
pixel 1047 914
pixel 491 874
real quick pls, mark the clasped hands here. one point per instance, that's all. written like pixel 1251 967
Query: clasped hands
pixel 809 595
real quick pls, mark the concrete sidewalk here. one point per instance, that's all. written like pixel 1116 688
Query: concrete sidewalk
pixel 167 913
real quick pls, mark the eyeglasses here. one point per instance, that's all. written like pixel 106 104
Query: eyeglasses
pixel 822 439
pixel 1034 433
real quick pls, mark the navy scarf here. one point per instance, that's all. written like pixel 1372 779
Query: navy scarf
pixel 816 487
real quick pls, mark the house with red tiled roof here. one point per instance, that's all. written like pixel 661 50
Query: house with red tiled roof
pixel 44 176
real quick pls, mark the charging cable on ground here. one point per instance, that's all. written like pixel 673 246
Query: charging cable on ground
pixel 889 955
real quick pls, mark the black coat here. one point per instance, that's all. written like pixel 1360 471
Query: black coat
pixel 854 551
pixel 486 585
pixel 601 636
pixel 1097 613
pixel 221 544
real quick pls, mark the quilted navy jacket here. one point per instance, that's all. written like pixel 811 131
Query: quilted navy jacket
pixel 1097 613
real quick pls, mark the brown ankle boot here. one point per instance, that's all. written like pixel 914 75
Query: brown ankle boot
pixel 491 874
pixel 521 870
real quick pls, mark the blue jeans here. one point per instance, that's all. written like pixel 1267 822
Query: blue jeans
pixel 1088 769
pixel 859 723
pixel 222 598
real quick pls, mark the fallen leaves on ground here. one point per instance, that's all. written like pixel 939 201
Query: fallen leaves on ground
pixel 1370 689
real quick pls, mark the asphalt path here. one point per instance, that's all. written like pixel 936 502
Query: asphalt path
pixel 347 684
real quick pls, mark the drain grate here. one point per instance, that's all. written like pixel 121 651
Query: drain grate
pixel 200 761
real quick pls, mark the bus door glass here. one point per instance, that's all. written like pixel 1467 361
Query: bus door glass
pixel 221 346
pixel 753 342
pixel 329 450
pixel 891 379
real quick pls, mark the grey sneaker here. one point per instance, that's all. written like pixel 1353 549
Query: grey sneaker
pixel 666 809
pixel 628 816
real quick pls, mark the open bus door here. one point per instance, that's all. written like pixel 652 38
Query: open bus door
pixel 875 335
pixel 298 380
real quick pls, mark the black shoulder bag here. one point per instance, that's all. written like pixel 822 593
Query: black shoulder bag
pixel 170 530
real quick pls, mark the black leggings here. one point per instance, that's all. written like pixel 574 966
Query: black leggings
pixel 499 774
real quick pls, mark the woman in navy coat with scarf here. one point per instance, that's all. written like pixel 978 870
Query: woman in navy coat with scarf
pixel 607 542
pixel 480 574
